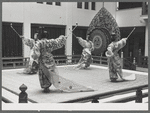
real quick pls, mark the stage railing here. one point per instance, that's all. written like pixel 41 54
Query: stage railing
pixel 15 62
pixel 138 97
pixel 20 62
pixel 128 64
pixel 145 8
pixel 95 98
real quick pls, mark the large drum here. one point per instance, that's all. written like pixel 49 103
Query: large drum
pixel 100 28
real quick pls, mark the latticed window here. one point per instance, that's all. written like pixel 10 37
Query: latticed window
pixel 79 4
pixel 40 2
pixel 93 5
pixel 86 5
pixel 50 3
pixel 58 3
pixel 129 5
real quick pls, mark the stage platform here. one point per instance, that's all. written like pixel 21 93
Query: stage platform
pixel 95 77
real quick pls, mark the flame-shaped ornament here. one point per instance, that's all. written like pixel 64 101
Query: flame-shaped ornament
pixel 100 29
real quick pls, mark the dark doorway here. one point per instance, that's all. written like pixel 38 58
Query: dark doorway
pixel 135 42
pixel 11 42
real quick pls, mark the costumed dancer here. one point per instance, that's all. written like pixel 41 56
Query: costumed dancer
pixel 48 74
pixel 86 57
pixel 32 66
pixel 114 61
pixel 47 71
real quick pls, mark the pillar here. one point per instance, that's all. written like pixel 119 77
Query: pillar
pixel 68 47
pixel 146 39
pixel 26 27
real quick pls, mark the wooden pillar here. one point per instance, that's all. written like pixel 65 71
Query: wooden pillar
pixel 138 96
pixel 122 59
pixel 134 61
pixel 23 96
pixel 139 58
pixel 26 27
pixel 101 59
pixel 68 45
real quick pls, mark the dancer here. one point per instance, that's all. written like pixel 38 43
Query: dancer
pixel 114 61
pixel 32 66
pixel 86 57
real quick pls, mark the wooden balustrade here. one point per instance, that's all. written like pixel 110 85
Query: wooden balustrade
pixel 138 97
pixel 145 8
pixel 94 98
pixel 23 96
pixel 21 62
pixel 143 60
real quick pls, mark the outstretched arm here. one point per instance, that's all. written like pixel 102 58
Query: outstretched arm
pixel 57 43
pixel 121 43
pixel 82 42
pixel 92 44
pixel 28 42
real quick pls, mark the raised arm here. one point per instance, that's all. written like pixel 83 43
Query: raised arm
pixel 92 44
pixel 81 41
pixel 57 43
pixel 27 41
pixel 121 43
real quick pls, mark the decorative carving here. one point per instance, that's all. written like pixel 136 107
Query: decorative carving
pixel 23 96
pixel 103 24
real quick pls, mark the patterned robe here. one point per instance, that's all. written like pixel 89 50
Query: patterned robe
pixel 114 61
pixel 86 57
pixel 48 73
pixel 32 66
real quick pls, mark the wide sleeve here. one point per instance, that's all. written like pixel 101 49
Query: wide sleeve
pixel 121 44
pixel 28 42
pixel 92 46
pixel 57 43
pixel 109 52
pixel 82 42
pixel 35 52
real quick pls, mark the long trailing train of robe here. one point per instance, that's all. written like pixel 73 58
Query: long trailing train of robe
pixel 48 73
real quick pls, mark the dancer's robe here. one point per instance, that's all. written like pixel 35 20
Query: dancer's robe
pixel 114 61
pixel 32 66
pixel 86 57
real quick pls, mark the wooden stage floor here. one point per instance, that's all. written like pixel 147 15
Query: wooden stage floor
pixel 96 77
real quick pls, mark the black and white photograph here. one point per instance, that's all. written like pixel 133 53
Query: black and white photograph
pixel 74 55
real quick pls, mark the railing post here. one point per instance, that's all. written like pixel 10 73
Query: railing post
pixel 95 100
pixel 134 62
pixel 122 59
pixel 69 59
pixel 139 59
pixel 138 96
pixel 101 59
pixel 23 96
pixel 14 65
